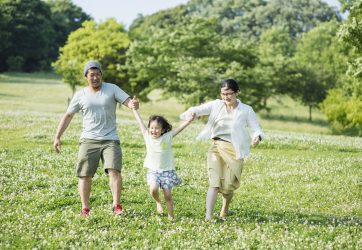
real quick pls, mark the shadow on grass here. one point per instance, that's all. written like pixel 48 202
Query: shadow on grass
pixel 7 95
pixel 290 118
pixel 299 218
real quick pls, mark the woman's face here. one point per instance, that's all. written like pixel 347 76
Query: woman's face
pixel 228 96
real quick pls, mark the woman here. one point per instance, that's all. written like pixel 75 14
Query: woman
pixel 228 127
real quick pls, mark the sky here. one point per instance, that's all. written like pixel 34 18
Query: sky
pixel 125 11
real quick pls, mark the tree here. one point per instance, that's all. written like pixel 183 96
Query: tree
pixel 106 43
pixel 343 105
pixel 188 60
pixel 27 28
pixel 65 18
pixel 252 18
pixel 276 67
pixel 322 61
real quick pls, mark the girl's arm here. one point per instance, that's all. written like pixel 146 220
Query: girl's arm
pixel 188 120
pixel 140 121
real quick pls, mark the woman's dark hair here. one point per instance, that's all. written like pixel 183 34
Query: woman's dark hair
pixel 165 125
pixel 230 84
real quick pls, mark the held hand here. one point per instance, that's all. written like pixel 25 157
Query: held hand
pixel 255 141
pixel 191 117
pixel 57 145
pixel 134 103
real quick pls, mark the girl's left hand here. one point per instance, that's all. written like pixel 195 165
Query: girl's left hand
pixel 255 141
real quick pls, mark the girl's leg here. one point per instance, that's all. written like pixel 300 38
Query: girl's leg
pixel 169 202
pixel 226 199
pixel 155 195
pixel 210 201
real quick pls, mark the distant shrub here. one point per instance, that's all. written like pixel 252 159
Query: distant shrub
pixel 15 63
pixel 343 112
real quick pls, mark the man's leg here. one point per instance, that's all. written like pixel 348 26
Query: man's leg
pixel 115 182
pixel 84 188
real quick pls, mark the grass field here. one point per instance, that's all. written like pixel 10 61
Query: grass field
pixel 301 188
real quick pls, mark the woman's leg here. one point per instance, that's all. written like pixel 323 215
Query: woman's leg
pixel 226 199
pixel 169 202
pixel 154 192
pixel 210 201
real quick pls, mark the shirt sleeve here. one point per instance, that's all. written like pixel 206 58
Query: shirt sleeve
pixel 253 124
pixel 74 105
pixel 119 94
pixel 167 137
pixel 201 110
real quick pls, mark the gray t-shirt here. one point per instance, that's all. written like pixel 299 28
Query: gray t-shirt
pixel 98 110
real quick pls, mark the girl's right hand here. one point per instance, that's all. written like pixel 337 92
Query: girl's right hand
pixel 191 117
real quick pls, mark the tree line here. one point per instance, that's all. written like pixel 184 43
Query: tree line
pixel 300 48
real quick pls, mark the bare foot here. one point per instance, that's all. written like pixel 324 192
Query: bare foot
pixel 159 208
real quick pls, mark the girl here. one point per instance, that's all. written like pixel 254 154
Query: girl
pixel 159 158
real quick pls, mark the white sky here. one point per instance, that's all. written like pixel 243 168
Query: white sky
pixel 125 11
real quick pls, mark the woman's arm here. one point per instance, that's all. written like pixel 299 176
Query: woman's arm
pixel 203 109
pixel 184 124
pixel 140 121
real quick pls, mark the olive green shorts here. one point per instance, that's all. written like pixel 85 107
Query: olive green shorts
pixel 92 151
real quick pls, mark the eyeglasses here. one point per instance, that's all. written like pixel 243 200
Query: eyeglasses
pixel 227 94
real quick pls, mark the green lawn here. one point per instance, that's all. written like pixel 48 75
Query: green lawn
pixel 301 188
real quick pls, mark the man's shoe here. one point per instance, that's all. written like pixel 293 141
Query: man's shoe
pixel 85 212
pixel 117 209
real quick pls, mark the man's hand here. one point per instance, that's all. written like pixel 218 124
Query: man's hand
pixel 134 103
pixel 57 145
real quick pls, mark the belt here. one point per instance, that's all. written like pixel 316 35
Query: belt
pixel 219 139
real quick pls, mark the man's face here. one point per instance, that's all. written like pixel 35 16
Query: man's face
pixel 94 78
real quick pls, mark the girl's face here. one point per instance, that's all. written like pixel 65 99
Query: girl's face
pixel 155 129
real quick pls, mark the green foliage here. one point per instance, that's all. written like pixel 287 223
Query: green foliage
pixel 343 106
pixel 252 18
pixel 65 18
pixel 322 61
pixel 189 60
pixel 141 27
pixel 105 42
pixel 27 33
pixel 344 112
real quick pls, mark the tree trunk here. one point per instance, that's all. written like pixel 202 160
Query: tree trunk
pixel 310 113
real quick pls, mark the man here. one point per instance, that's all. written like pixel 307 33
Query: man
pixel 99 138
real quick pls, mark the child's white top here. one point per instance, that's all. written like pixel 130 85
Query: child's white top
pixel 159 152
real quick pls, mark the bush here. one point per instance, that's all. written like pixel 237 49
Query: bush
pixel 15 63
pixel 343 112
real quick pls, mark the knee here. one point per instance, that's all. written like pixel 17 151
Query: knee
pixel 168 197
pixel 153 191
pixel 114 174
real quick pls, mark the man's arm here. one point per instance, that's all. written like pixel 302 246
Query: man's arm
pixel 63 124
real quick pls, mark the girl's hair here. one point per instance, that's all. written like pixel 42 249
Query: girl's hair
pixel 165 125
pixel 230 84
